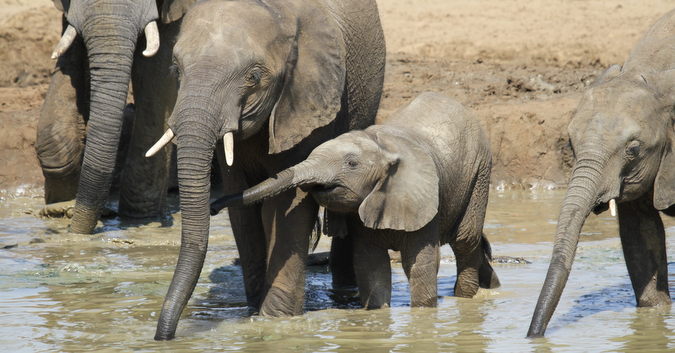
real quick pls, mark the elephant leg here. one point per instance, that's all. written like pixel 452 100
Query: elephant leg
pixel 250 239
pixel 144 181
pixel 288 220
pixel 470 247
pixel 342 263
pixel 644 248
pixel 341 251
pixel 249 235
pixel 420 256
pixel 373 271
pixel 61 126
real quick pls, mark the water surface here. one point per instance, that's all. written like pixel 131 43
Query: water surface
pixel 65 292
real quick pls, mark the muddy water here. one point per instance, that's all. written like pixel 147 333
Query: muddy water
pixel 64 292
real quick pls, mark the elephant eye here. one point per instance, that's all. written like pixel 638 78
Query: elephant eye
pixel 253 77
pixel 633 149
pixel 352 163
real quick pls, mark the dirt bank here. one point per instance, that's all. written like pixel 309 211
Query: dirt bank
pixel 520 64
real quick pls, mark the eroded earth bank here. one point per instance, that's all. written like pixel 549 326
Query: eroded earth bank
pixel 520 65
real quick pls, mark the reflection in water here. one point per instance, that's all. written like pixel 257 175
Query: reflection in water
pixel 66 292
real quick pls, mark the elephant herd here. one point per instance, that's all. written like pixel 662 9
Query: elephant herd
pixel 279 99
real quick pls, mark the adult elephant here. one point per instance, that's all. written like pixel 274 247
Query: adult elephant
pixel 622 136
pixel 97 57
pixel 275 79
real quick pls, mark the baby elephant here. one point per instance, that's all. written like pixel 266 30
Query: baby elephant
pixel 411 184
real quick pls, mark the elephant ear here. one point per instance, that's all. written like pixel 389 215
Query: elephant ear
pixel 173 10
pixel 314 80
pixel 664 184
pixel 407 197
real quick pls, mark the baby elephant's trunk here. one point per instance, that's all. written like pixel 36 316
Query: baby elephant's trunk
pixel 287 179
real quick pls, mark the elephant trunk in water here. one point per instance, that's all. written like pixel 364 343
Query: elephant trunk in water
pixel 110 43
pixel 301 174
pixel 581 197
pixel 196 135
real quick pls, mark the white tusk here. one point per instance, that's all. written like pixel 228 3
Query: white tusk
pixel 66 41
pixel 151 39
pixel 228 146
pixel 166 138
pixel 612 207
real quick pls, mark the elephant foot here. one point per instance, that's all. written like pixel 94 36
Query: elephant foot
pixel 65 209
pixel 58 210
pixel 651 297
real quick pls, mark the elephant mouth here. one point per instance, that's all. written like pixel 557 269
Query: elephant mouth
pixel 321 189
pixel 604 204
pixel 600 208
pixel 335 197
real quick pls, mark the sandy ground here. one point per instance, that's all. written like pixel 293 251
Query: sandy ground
pixel 520 64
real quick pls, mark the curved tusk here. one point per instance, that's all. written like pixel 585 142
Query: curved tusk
pixel 151 39
pixel 166 138
pixel 612 207
pixel 66 41
pixel 228 146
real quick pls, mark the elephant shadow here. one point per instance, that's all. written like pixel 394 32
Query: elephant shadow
pixel 613 298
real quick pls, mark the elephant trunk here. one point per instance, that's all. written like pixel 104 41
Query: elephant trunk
pixel 195 138
pixel 304 173
pixel 581 197
pixel 110 43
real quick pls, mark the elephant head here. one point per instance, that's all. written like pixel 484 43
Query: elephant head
pixel 622 138
pixel 243 65
pixel 389 180
pixel 110 30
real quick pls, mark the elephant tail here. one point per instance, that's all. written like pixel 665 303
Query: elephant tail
pixel 316 234
pixel 487 277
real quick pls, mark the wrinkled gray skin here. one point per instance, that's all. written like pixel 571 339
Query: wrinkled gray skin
pixel 88 91
pixel 622 137
pixel 283 76
pixel 416 182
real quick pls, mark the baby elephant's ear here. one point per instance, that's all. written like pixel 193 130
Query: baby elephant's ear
pixel 407 197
